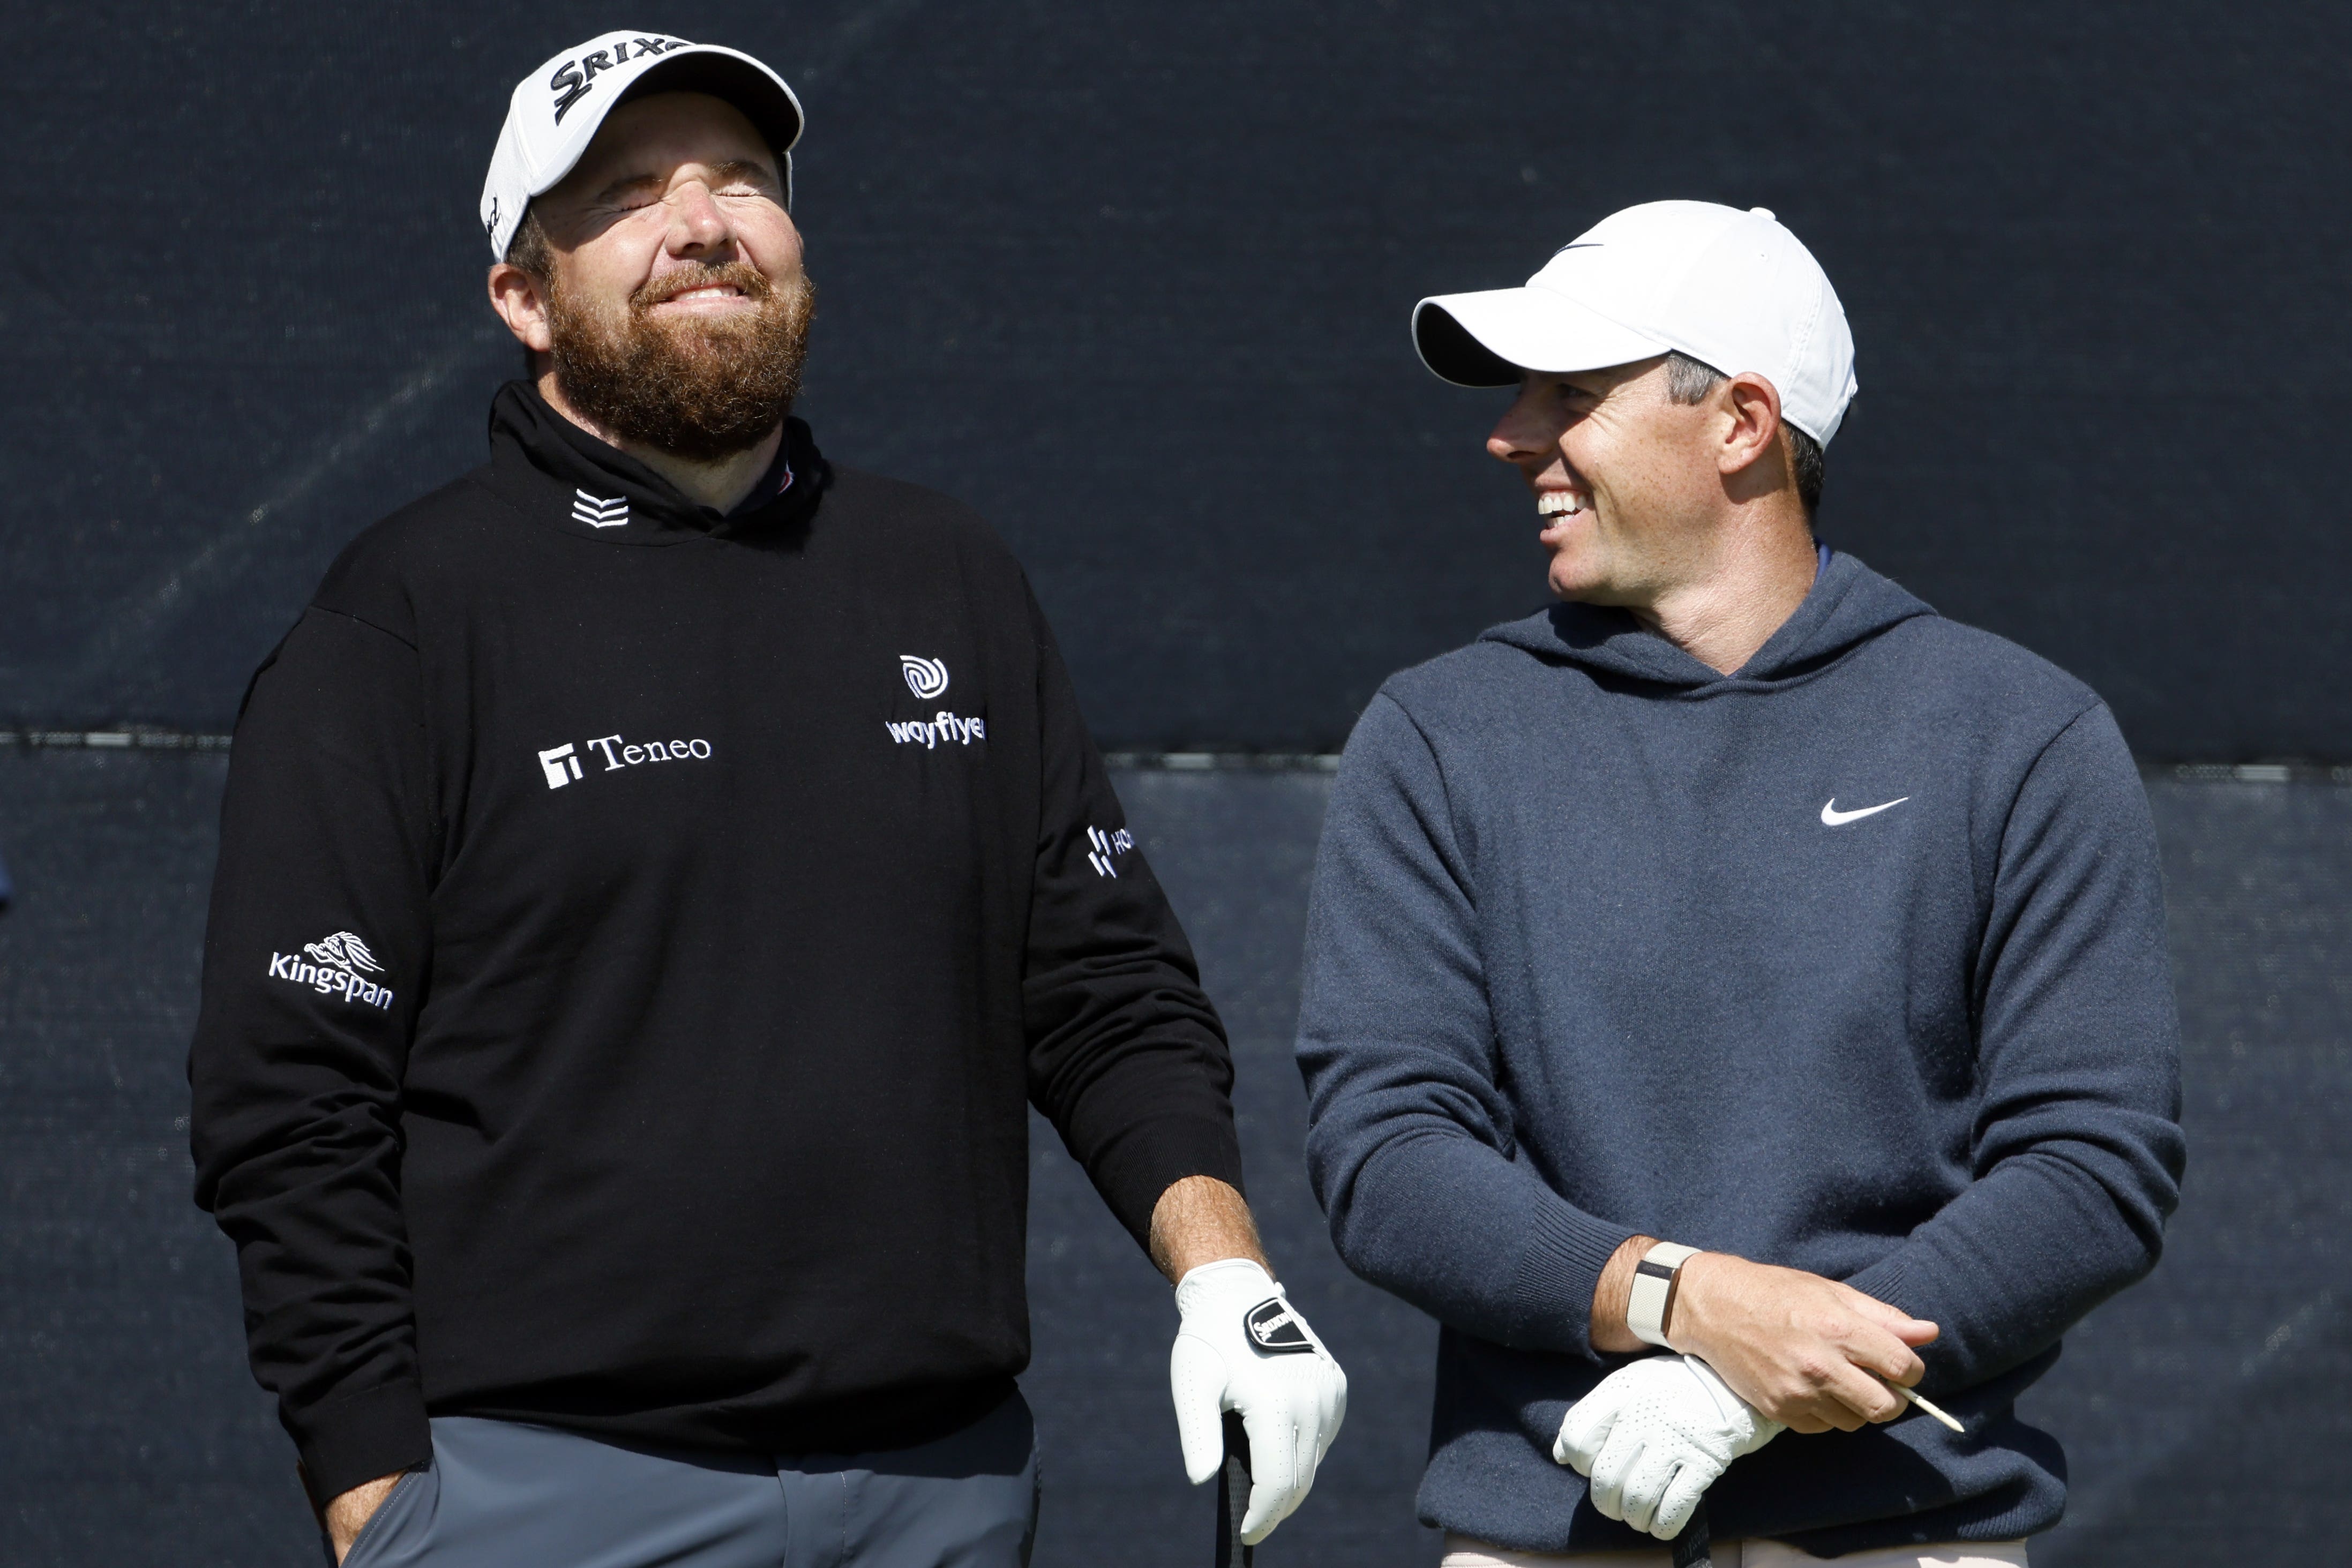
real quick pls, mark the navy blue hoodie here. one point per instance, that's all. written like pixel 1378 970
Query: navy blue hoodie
pixel 1853 961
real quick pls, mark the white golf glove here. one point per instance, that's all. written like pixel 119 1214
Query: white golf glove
pixel 1653 1437
pixel 1241 1346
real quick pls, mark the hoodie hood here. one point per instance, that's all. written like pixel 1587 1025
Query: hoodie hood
pixel 1847 605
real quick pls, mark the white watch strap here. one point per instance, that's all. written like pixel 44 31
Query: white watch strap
pixel 1653 1284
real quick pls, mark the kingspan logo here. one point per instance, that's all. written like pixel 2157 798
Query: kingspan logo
pixel 338 965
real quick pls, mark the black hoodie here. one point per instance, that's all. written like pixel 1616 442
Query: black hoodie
pixel 636 934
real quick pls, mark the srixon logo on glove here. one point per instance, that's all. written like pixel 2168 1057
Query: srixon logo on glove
pixel 1276 1329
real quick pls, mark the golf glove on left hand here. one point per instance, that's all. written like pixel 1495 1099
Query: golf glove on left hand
pixel 1654 1435
pixel 1243 1347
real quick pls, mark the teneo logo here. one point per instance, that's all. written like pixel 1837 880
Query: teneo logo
pixel 573 78
pixel 1106 847
pixel 1276 1329
pixel 337 966
pixel 943 728
pixel 927 678
pixel 561 763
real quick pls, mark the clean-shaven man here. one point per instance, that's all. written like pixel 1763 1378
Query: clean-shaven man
pixel 657 872
pixel 1738 961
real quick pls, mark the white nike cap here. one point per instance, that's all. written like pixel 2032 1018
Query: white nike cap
pixel 556 109
pixel 1734 290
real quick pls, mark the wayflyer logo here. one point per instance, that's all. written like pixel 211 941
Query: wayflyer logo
pixel 943 728
pixel 337 966
pixel 927 678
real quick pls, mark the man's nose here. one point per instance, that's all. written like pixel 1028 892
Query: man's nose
pixel 1522 433
pixel 697 225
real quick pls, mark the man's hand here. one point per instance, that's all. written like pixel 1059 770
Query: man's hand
pixel 1806 1352
pixel 349 1514
pixel 1244 1347
pixel 1653 1437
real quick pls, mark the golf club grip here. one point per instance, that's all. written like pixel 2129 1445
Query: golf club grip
pixel 1232 1497
pixel 1693 1548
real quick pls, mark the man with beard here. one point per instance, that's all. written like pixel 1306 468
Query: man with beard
pixel 656 872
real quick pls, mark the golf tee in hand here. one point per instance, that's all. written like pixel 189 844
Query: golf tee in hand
pixel 1809 1353
pixel 1243 1347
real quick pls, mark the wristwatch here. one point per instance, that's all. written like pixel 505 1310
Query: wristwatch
pixel 1654 1290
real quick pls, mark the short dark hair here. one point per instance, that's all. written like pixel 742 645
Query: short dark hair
pixel 528 249
pixel 1689 381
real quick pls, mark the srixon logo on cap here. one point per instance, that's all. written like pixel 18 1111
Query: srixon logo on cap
pixel 572 78
pixel 1276 1329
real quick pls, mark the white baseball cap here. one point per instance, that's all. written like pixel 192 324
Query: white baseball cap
pixel 1734 290
pixel 555 110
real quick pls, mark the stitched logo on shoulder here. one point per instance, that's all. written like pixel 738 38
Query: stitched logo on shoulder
pixel 338 964
pixel 1106 848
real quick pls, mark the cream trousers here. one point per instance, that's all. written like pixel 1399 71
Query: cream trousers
pixel 1461 1552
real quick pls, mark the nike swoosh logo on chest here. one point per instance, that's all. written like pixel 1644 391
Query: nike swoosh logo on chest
pixel 1833 818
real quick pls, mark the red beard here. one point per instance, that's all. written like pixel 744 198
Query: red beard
pixel 695 389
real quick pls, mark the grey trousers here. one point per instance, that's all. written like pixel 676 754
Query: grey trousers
pixel 501 1494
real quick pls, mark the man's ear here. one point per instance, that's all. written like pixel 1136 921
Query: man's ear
pixel 521 301
pixel 1751 427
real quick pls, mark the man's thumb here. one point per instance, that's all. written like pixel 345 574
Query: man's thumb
pixel 1581 1432
pixel 1196 1376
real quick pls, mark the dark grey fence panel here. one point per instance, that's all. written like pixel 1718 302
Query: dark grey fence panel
pixel 132 1432
pixel 1133 279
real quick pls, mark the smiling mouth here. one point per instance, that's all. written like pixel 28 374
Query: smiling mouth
pixel 707 291
pixel 1560 504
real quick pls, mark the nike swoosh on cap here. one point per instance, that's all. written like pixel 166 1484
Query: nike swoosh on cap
pixel 1833 818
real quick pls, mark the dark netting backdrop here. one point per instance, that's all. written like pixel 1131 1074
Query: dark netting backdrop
pixel 1133 279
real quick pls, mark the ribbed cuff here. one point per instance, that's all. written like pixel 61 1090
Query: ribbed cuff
pixel 1889 1280
pixel 1152 1156
pixel 1559 1271
pixel 356 1437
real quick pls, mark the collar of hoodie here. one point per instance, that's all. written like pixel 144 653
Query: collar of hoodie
pixel 604 492
pixel 1847 605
